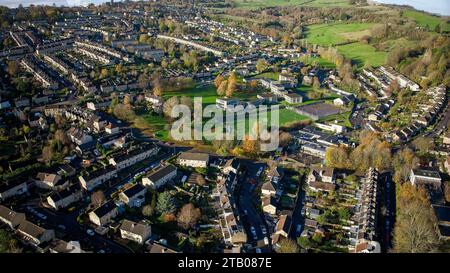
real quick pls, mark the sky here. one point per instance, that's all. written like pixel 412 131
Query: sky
pixel 441 7
pixel 434 6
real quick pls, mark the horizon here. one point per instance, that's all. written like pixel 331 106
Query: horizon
pixel 439 7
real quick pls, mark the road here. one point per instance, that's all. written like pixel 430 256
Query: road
pixel 247 203
pixel 387 217
pixel 297 217
pixel 74 231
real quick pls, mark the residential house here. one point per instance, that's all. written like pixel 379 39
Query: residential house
pixel 35 234
pixel 133 156
pixel 195 160
pixel 50 181
pixel 61 246
pixel 104 214
pixel 232 165
pixel 282 229
pixel 275 174
pixel 134 196
pixel 155 247
pixel 65 197
pixel 160 177
pixel 322 178
pixel 137 232
pixel 13 188
pixel 10 217
pixel 269 204
pixel 78 136
pixel 96 178
pixel 268 189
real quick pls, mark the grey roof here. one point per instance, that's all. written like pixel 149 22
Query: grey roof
pixel 134 190
pixel 105 209
pixel 135 228
pixel 162 172
pixel 194 156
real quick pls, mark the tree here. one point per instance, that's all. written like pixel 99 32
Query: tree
pixel 147 210
pixel 104 73
pixel 166 203
pixel 200 180
pixel 250 146
pixel 187 101
pixel 261 65
pixel 288 246
pixel 423 144
pixel 97 199
pixel 218 80
pixel 47 154
pixel 169 104
pixel 285 139
pixel 316 83
pixel 304 242
pixel 337 157
pixel 231 88
pixel 13 68
pixel 415 230
pixel 157 90
pixel 403 162
pixel 7 243
pixel 222 88
pixel 188 216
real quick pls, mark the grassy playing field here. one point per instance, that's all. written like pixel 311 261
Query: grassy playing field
pixel 363 54
pixel 424 20
pixel 331 34
pixel 336 34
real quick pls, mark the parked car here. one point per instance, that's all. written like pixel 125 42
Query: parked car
pixel 299 228
pixel 264 230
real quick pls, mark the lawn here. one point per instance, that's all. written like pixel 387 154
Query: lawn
pixel 335 34
pixel 318 60
pixel 342 119
pixel 208 93
pixel 157 124
pixel 331 34
pixel 268 75
pixel 426 20
pixel 363 54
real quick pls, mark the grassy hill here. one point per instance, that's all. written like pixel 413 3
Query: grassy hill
pixel 273 3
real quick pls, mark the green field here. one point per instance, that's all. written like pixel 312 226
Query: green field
pixel 268 75
pixel 272 3
pixel 363 54
pixel 426 20
pixel 347 35
pixel 332 34
pixel 318 60
pixel 157 124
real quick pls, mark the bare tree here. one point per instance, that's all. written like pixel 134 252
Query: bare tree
pixel 97 199
pixel 188 216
